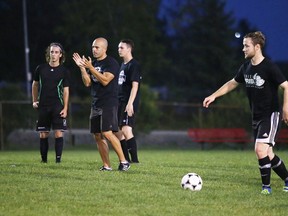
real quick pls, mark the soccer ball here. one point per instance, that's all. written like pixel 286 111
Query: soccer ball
pixel 192 181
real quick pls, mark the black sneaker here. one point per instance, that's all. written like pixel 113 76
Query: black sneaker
pixel 105 168
pixel 124 166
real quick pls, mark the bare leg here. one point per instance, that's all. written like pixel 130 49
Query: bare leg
pixel 103 149
pixel 263 150
pixel 115 144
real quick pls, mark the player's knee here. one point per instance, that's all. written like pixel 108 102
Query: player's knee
pixel 108 134
pixel 97 137
pixel 127 131
pixel 261 150
pixel 58 134
pixel 44 135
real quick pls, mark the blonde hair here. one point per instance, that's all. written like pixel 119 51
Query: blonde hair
pixel 47 55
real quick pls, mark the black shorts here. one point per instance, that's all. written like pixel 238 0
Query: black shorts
pixel 50 117
pixel 104 121
pixel 265 130
pixel 123 118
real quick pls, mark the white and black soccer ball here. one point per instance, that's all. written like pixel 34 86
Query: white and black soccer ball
pixel 192 181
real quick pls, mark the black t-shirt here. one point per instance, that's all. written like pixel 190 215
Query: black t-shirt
pixel 105 96
pixel 52 81
pixel 262 82
pixel 129 72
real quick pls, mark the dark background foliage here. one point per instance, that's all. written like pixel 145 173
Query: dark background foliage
pixel 186 49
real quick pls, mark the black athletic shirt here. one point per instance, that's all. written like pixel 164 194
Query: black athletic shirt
pixel 52 81
pixel 129 72
pixel 262 82
pixel 105 96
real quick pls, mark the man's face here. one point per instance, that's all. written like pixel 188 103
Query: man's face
pixel 55 54
pixel 123 49
pixel 98 49
pixel 248 48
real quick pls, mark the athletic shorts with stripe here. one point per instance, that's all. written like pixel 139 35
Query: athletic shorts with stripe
pixel 50 116
pixel 265 130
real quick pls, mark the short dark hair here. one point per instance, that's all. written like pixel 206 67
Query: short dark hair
pixel 47 55
pixel 257 38
pixel 129 42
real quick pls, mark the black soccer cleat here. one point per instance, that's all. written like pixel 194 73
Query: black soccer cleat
pixel 124 166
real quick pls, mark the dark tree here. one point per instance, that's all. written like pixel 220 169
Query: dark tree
pixel 115 20
pixel 202 38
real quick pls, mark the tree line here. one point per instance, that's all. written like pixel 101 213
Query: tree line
pixel 185 48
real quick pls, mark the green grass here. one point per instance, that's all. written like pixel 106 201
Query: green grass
pixel 231 185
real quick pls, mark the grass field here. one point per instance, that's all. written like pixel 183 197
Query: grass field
pixel 231 185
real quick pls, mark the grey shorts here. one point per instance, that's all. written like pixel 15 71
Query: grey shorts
pixel 105 120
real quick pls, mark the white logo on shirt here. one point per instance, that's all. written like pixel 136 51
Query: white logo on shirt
pixel 93 77
pixel 255 81
pixel 122 78
pixel 258 80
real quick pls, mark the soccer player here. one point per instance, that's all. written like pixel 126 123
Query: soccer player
pixel 129 81
pixel 102 76
pixel 50 94
pixel 262 79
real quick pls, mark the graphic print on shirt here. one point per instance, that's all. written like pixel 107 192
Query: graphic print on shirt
pixel 122 77
pixel 93 77
pixel 254 81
